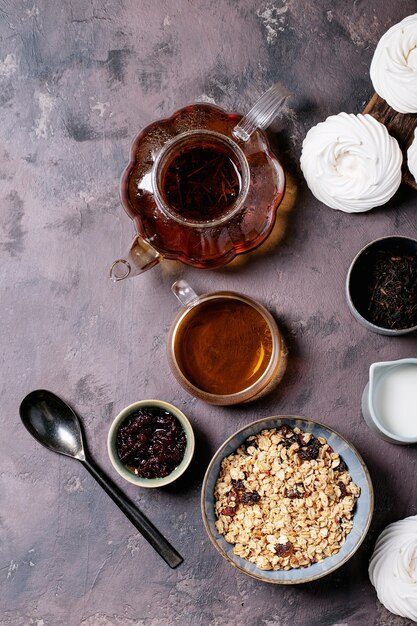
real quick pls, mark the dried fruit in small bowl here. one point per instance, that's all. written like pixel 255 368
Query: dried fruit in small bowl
pixel 151 442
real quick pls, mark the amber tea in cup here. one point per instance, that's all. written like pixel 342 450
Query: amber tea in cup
pixel 225 348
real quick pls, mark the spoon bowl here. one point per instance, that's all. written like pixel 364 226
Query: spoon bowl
pixel 53 423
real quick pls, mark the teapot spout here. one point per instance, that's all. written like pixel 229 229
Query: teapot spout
pixel 140 257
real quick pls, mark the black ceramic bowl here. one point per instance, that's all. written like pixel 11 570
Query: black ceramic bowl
pixel 360 276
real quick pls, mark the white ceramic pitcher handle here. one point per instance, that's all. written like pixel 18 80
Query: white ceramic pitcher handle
pixel 140 257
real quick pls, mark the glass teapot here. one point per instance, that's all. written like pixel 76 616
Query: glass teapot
pixel 201 187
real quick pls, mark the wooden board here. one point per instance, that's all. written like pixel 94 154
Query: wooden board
pixel 399 125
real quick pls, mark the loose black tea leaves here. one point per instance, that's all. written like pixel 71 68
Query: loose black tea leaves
pixel 201 183
pixel 393 291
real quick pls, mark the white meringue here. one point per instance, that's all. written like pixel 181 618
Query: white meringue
pixel 394 66
pixel 351 163
pixel 412 156
pixel 393 568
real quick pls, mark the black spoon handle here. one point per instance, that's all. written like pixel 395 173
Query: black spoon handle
pixel 138 519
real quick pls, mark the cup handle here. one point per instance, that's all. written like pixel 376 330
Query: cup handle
pixel 185 294
pixel 140 257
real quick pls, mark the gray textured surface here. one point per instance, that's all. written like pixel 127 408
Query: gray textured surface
pixel 77 80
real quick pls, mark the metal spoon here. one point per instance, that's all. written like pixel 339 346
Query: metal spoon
pixel 55 425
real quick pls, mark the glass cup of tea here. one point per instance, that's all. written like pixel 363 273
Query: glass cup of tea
pixel 224 347
pixel 201 187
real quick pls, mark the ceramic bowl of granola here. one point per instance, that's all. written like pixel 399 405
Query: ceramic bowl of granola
pixel 287 500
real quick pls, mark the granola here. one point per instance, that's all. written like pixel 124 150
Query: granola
pixel 285 499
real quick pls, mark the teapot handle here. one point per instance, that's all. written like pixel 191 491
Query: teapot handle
pixel 140 257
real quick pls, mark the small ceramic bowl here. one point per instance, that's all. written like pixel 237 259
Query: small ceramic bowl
pixel 358 278
pixel 362 513
pixel 122 469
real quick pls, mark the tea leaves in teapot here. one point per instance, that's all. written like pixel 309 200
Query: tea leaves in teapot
pixel 201 183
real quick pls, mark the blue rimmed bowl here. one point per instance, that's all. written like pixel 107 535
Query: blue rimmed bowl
pixel 362 513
